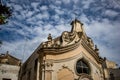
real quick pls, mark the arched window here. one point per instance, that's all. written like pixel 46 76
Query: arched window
pixel 82 67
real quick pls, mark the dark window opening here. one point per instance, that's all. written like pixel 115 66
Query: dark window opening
pixel 82 67
pixel 29 74
pixel 6 79
pixel 35 68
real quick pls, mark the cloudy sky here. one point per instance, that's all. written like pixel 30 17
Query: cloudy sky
pixel 33 20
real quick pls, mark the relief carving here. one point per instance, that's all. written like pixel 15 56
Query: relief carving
pixel 65 39
pixel 68 37
pixel 84 76
pixel 65 74
pixel 49 64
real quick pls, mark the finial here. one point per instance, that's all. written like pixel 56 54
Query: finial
pixel 76 13
pixel 7 52
pixel 96 49
pixel 49 37
pixel 104 58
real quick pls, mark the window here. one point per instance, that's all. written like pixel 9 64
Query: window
pixel 6 79
pixel 35 68
pixel 29 75
pixel 82 67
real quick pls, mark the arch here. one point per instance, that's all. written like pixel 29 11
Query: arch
pixel 82 66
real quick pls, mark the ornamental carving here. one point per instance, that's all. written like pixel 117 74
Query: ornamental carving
pixel 70 40
pixel 84 77
pixel 68 36
pixel 65 39
pixel 65 74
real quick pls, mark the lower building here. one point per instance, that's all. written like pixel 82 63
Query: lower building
pixel 71 56
pixel 114 74
pixel 9 67
pixel 111 70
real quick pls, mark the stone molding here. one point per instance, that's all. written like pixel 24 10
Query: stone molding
pixel 84 76
pixel 92 52
pixel 59 50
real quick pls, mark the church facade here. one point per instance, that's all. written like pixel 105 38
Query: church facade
pixel 71 56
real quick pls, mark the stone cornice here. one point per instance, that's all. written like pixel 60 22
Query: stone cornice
pixel 91 51
pixel 62 49
pixel 59 50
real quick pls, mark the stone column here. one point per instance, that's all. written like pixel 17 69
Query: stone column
pixel 48 70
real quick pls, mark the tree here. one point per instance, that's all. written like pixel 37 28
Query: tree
pixel 0 43
pixel 5 13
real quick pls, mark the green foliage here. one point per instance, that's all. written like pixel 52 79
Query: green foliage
pixel 2 19
pixel 5 13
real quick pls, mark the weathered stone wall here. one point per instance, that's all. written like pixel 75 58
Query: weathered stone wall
pixel 9 71
pixel 59 62
pixel 30 69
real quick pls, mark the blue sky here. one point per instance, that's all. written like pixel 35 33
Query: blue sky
pixel 33 20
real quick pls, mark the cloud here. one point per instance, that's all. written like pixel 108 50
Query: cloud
pixel 84 18
pixel 58 2
pixel 75 1
pixel 87 3
pixel 43 7
pixel 58 11
pixel 44 15
pixel 111 13
pixel 34 20
pixel 35 5
pixel 21 49
pixel 17 7
pixel 114 3
pixel 106 35
pixel 66 1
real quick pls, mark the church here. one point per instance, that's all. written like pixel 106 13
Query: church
pixel 71 56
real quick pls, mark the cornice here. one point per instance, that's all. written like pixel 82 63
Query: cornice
pixel 91 51
pixel 69 41
pixel 60 50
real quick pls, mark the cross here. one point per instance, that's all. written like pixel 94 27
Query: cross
pixel 76 13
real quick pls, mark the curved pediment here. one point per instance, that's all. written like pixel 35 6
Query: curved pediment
pixel 71 40
pixel 66 39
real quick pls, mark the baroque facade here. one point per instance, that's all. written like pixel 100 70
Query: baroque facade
pixel 9 67
pixel 71 56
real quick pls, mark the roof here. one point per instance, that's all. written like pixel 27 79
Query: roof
pixel 9 59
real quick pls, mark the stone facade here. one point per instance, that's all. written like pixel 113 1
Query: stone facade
pixel 114 74
pixel 9 67
pixel 30 69
pixel 110 70
pixel 71 56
